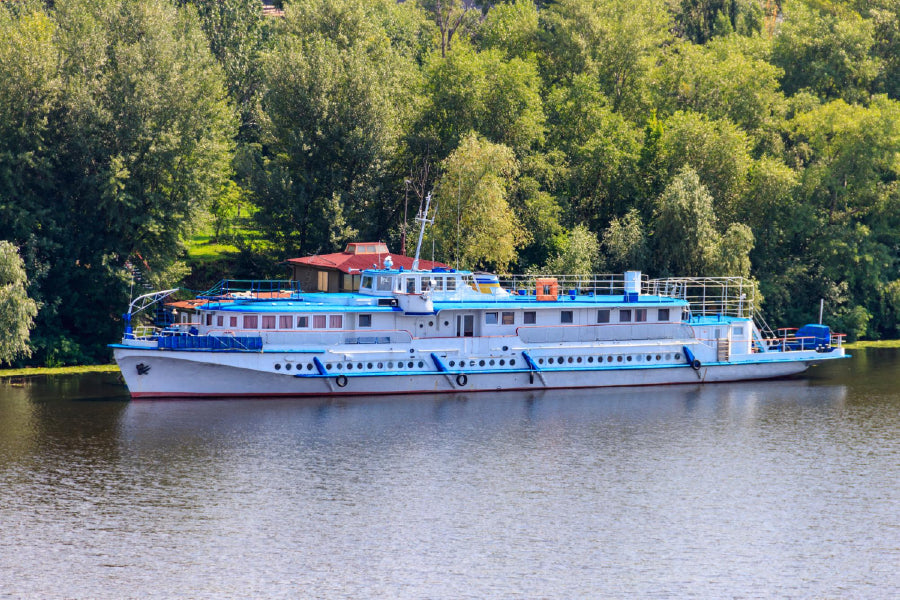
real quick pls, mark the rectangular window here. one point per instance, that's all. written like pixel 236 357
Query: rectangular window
pixel 530 317
pixel 662 314
pixel 285 321
pixel 251 322
pixel 384 283
pixel 232 321
pixel 303 322
pixel 319 321
pixel 490 318
pixel 640 315
pixel 365 320
pixel 565 316
pixel 410 285
pixel 438 284
pixel 508 318
pixel 366 282
pixel 603 315
pixel 335 321
pixel 268 322
pixel 220 321
pixel 208 319
pixel 625 315
pixel 451 284
pixel 738 331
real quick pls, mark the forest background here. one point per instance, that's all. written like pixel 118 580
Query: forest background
pixel 686 137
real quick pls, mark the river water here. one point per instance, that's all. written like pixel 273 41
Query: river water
pixel 787 489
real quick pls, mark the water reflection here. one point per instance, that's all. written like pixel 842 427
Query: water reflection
pixel 785 488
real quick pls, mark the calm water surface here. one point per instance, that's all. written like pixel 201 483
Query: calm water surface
pixel 787 489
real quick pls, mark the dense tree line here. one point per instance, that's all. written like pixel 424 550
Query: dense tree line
pixel 700 137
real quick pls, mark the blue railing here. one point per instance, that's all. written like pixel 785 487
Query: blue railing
pixel 210 342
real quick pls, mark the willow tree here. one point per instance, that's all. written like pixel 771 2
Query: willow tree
pixel 17 310
pixel 474 225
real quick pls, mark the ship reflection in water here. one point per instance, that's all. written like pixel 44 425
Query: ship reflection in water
pixel 765 489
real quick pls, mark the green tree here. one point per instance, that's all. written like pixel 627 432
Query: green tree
pixel 701 20
pixel 511 27
pixel 625 243
pixel 579 253
pixel 475 226
pixel 17 310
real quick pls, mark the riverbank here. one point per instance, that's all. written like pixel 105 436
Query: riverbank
pixel 36 371
pixel 873 344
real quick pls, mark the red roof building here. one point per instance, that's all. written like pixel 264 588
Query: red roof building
pixel 341 271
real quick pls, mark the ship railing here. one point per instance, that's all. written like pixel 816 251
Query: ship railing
pixel 142 333
pixel 253 289
pixel 709 296
pixel 587 285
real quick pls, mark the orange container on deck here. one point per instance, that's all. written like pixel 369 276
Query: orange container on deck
pixel 546 289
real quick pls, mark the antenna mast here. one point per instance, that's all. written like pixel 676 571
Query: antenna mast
pixel 422 218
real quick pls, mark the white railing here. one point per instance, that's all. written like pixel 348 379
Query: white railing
pixel 727 296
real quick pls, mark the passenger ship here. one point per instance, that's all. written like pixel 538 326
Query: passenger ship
pixel 443 330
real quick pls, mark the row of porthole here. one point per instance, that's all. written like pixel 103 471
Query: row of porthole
pixel 350 366
pixel 483 363
pixel 609 358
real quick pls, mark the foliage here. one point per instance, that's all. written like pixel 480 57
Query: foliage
pixel 17 310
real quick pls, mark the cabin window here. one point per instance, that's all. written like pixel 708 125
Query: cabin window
pixel 530 317
pixel 303 322
pixel 438 284
pixel 451 284
pixel 268 322
pixel 508 318
pixel 625 315
pixel 251 322
pixel 366 282
pixel 208 319
pixel 603 315
pixel 319 321
pixel 662 314
pixel 565 316
pixel 232 321
pixel 640 315
pixel 284 321
pixel 220 321
pixel 335 321
pixel 738 331
pixel 384 283
pixel 410 285
pixel 365 320
pixel 490 318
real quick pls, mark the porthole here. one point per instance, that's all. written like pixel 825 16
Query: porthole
pixel 677 356
pixel 571 360
pixel 359 366
pixel 658 357
pixel 668 356
pixel 421 325
pixel 628 358
pixel 349 366
pixel 328 366
pixel 287 367
pixel 649 358
pixel 540 361
pixel 452 363
pixel 431 323
pixel 578 360
pixel 481 363
pixel 590 359
pixel 446 323
pixel 410 364
pixel 309 366
pixel 502 362
pixel 619 358
pixel 368 365
pixel 512 362
pixel 380 365
pixel 421 364
pixel 505 348
pixel 491 362
pixel 609 359
pixel 560 360
pixel 277 367
pixel 390 365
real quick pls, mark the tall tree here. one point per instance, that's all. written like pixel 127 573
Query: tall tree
pixel 17 310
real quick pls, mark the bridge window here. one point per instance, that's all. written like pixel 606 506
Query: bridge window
pixel 365 320
pixel 451 284
pixel 662 314
pixel 603 315
pixel 251 322
pixel 565 316
pixel 366 282
pixel 384 283
pixel 490 318
pixel 410 285
pixel 625 315
pixel 530 317
pixel 509 318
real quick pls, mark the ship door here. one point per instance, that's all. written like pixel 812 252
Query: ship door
pixel 465 325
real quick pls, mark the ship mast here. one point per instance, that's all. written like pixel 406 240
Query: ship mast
pixel 423 219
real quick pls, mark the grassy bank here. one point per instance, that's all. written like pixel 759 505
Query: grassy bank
pixel 34 371
pixel 873 344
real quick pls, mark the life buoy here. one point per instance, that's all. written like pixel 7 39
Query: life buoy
pixel 341 380
pixel 462 379
pixel 695 364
